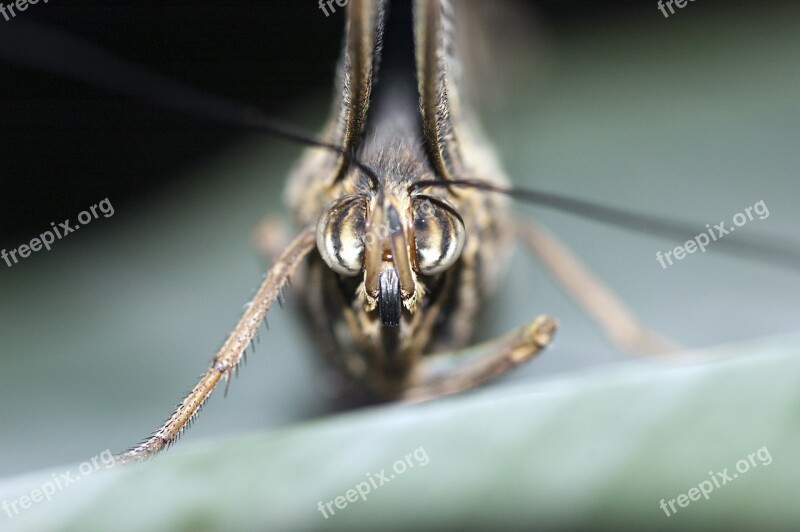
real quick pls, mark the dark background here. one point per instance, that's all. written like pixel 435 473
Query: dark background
pixel 67 145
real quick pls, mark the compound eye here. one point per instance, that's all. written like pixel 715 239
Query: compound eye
pixel 438 234
pixel 340 235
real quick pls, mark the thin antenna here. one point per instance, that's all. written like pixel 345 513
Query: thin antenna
pixel 46 48
pixel 50 49
pixel 784 253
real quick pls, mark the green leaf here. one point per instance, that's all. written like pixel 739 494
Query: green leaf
pixel 600 448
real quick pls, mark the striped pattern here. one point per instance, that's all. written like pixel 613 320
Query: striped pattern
pixel 341 235
pixel 373 329
pixel 438 236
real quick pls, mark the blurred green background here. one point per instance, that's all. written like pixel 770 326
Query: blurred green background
pixel 694 117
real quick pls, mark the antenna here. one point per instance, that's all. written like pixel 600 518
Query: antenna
pixel 50 49
pixel 784 253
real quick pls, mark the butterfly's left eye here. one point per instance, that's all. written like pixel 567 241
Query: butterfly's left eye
pixel 439 235
pixel 340 235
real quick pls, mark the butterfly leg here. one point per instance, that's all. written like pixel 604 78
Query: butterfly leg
pixel 607 310
pixel 229 356
pixel 449 373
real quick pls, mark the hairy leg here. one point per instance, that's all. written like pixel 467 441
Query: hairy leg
pixel 229 356
pixel 449 373
pixel 607 310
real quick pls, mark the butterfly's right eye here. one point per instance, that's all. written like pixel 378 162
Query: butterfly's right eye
pixel 340 235
pixel 439 235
